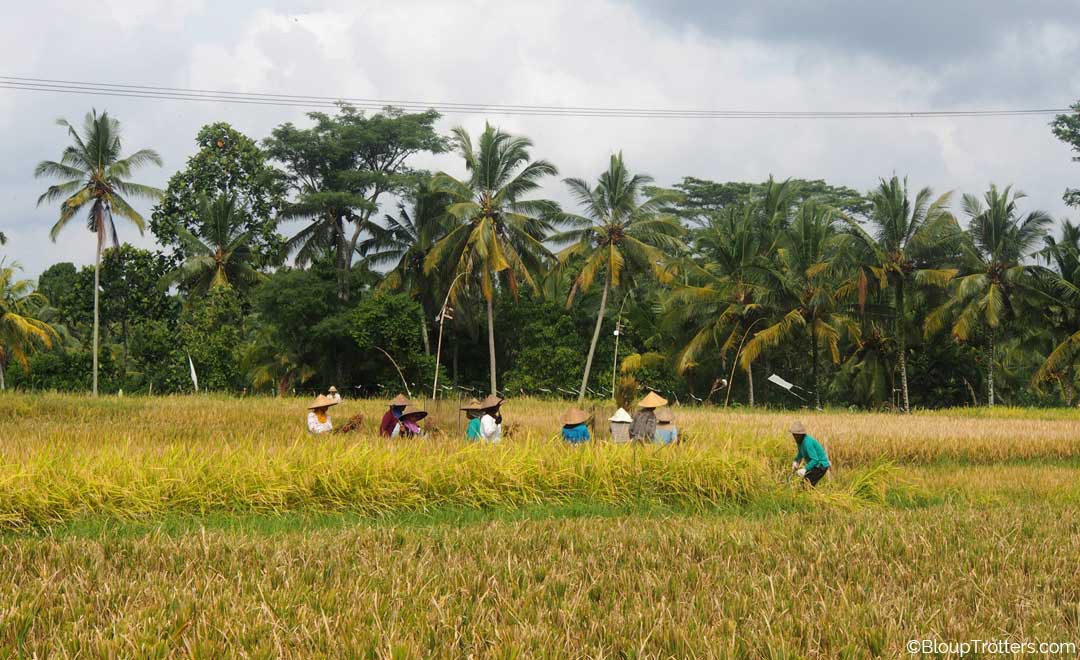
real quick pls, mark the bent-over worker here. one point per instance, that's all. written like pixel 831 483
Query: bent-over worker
pixel 810 451
pixel 491 419
pixel 390 418
pixel 408 425
pixel 643 428
pixel 472 413
pixel 575 428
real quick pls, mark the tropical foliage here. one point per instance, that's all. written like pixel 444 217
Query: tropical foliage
pixel 896 298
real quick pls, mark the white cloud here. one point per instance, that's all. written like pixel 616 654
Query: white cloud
pixel 600 53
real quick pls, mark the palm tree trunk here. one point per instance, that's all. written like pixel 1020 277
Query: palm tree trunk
pixel 491 341
pixel 344 262
pixel 749 383
pixel 424 331
pixel 3 382
pixel 99 221
pixel 990 372
pixel 595 339
pixel 901 348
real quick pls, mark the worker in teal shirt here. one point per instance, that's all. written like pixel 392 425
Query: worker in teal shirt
pixel 810 451
pixel 472 413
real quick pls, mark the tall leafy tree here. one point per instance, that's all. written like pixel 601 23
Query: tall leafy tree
pixel 341 168
pixel 21 331
pixel 96 178
pixel 405 242
pixel 1067 129
pixel 500 232
pixel 996 279
pixel 220 255
pixel 1063 315
pixel 900 245
pixel 227 163
pixel 619 236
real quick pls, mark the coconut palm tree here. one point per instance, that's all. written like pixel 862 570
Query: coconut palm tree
pixel 405 242
pixel 95 175
pixel 21 331
pixel 221 254
pixel 500 232
pixel 1064 257
pixel 995 247
pixel 802 285
pixel 717 303
pixel 900 250
pixel 620 234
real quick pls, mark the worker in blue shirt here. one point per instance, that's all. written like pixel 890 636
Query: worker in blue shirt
pixel 575 428
pixel 810 451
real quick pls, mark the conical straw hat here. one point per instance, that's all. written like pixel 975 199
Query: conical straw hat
pixel 798 429
pixel 652 400
pixel 400 400
pixel 492 401
pixel 574 416
pixel 665 416
pixel 473 404
pixel 621 416
pixel 322 401
pixel 415 413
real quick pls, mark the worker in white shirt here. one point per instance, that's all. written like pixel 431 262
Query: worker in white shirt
pixel 491 420
pixel 318 418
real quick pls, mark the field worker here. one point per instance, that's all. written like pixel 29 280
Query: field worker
pixel 666 432
pixel 575 428
pixel 408 425
pixel 472 413
pixel 811 451
pixel 620 426
pixel 491 419
pixel 333 394
pixel 318 419
pixel 643 428
pixel 390 419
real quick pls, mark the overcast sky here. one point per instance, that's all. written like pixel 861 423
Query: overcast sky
pixel 679 54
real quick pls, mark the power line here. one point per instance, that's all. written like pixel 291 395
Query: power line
pixel 446 107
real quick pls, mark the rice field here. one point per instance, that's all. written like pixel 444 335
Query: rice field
pixel 209 527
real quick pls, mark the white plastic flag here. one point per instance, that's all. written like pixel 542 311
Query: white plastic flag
pixel 194 378
pixel 790 387
pixel 777 380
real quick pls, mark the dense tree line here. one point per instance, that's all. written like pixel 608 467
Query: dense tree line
pixel 281 270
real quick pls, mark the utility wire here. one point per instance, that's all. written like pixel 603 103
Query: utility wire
pixel 304 101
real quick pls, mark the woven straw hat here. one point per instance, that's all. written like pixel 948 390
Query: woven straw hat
pixel 574 416
pixel 492 401
pixel 322 401
pixel 400 400
pixel 621 416
pixel 473 404
pixel 332 390
pixel 665 416
pixel 652 400
pixel 413 413
pixel 797 429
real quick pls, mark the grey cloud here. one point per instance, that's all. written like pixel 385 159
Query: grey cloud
pixel 975 49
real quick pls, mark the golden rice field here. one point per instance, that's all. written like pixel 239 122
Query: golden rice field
pixel 210 527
